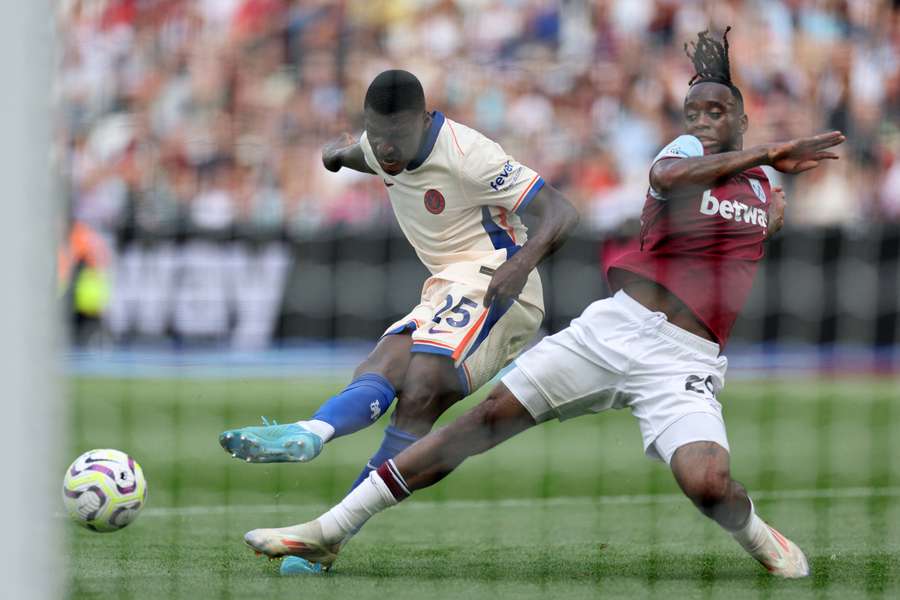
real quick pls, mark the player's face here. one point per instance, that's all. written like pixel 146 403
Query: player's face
pixel 395 139
pixel 715 117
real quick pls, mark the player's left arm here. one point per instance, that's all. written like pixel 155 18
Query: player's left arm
pixel 556 219
pixel 776 212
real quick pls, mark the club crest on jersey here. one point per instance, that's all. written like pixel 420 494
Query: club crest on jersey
pixel 758 189
pixel 434 202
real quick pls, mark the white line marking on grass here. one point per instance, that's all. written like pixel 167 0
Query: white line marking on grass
pixel 562 501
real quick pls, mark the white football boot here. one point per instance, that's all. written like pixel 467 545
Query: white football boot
pixel 304 540
pixel 779 555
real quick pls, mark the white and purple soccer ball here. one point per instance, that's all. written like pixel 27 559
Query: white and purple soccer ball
pixel 104 490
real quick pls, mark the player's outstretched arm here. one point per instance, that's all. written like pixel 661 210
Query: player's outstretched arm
pixel 556 220
pixel 675 176
pixel 345 152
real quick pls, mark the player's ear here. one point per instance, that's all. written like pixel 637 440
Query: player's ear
pixel 744 123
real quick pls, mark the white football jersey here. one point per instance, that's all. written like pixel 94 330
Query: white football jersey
pixel 458 203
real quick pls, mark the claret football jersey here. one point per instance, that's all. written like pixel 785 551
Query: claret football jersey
pixel 704 248
pixel 458 203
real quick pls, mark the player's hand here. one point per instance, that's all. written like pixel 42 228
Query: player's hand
pixel 332 152
pixel 776 212
pixel 803 154
pixel 507 283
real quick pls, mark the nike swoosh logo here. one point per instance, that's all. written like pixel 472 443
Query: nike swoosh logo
pixel 433 330
pixel 388 183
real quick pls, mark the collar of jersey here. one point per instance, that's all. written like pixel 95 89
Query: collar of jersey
pixel 437 121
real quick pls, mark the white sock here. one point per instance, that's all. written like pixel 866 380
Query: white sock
pixel 320 428
pixel 753 533
pixel 370 497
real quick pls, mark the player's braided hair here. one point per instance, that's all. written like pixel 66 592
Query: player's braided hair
pixel 394 91
pixel 711 63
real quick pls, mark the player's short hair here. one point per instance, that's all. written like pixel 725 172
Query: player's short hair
pixel 711 63
pixel 394 91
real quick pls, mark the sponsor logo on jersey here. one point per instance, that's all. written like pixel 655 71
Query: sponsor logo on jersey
pixel 434 202
pixel 508 176
pixel 733 210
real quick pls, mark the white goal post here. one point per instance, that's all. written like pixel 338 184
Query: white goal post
pixel 31 412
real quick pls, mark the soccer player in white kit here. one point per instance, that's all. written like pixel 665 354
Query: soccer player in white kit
pixel 458 197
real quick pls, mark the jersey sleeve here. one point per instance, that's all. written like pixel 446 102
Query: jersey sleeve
pixel 684 146
pixel 367 153
pixel 492 177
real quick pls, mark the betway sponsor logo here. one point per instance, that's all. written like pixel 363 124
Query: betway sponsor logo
pixel 733 210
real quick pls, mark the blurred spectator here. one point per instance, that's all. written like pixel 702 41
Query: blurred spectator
pixel 211 113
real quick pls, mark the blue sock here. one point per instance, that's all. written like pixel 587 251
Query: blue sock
pixel 359 405
pixel 395 441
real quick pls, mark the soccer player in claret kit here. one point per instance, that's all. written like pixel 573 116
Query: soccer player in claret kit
pixel 653 347
pixel 457 196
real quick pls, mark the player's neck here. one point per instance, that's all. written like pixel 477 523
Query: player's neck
pixel 425 131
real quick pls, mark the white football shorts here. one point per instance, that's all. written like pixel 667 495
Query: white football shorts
pixel 452 321
pixel 619 354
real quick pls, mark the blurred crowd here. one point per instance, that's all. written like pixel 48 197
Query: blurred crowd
pixel 210 114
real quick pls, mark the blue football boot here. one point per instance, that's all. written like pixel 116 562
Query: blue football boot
pixel 272 443
pixel 294 565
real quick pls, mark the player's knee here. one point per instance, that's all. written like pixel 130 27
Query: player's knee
pixel 489 412
pixel 420 405
pixel 485 420
pixel 392 370
pixel 390 359
pixel 708 488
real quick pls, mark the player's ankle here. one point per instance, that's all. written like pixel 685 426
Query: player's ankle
pixel 320 428
pixel 752 534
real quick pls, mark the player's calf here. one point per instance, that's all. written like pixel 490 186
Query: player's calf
pixel 702 472
pixel 496 419
pixel 430 387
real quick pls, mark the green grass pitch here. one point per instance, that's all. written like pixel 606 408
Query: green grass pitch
pixel 569 510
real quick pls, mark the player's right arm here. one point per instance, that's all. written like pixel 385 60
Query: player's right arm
pixel 345 151
pixel 674 173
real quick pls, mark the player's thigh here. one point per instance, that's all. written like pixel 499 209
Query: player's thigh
pixel 499 417
pixel 431 386
pixel 460 326
pixel 578 371
pixel 501 338
pixel 452 319
pixel 391 355
pixel 390 358
pixel 495 419
pixel 674 398
pixel 431 374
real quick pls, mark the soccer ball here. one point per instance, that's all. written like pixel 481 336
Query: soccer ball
pixel 104 490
